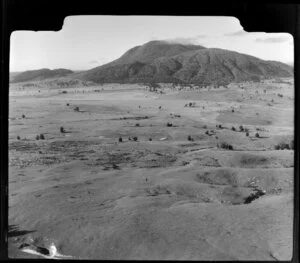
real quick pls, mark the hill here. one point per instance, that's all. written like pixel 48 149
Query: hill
pixel 40 74
pixel 161 61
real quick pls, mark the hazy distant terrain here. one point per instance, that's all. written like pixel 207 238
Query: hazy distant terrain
pixel 159 61
pixel 154 170
pixel 40 74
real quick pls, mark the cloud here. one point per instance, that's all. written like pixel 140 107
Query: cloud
pixel 93 62
pixel 272 39
pixel 201 36
pixel 238 33
pixel 186 40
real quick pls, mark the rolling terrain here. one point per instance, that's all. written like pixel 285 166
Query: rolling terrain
pixel 122 171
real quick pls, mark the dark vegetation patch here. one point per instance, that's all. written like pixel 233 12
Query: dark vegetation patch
pixel 218 177
pixel 283 146
pixel 253 161
pixel 224 145
pixel 208 161
pixel 257 194
pixel 133 118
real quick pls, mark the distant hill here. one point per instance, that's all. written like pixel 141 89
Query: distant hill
pixel 161 61
pixel 40 74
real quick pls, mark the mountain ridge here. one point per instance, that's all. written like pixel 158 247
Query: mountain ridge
pixel 39 74
pixel 185 63
pixel 163 61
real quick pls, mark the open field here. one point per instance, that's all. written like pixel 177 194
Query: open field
pixel 195 191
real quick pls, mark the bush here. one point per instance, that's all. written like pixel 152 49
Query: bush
pixel 62 130
pixel 233 128
pixel 205 126
pixel 120 139
pixel 18 137
pixel 190 138
pixel 76 108
pixel 241 128
pixel 225 145
pixel 150 139
pixel 283 146
pixel 135 138
pixel 23 116
pixel 42 137
pixel 207 132
pixel 247 134
pixel 137 124
pixel 68 104
pixel 37 137
pixel 169 124
pixel 257 135
pixel 232 110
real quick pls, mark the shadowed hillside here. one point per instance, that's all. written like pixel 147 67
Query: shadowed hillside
pixel 40 74
pixel 160 61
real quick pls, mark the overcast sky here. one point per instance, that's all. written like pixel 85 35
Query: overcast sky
pixel 90 41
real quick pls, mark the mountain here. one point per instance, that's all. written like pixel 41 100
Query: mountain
pixel 162 61
pixel 40 74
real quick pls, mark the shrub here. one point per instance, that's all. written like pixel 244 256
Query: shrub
pixel 68 104
pixel 277 147
pixel 241 128
pixel 76 108
pixel 257 135
pixel 169 124
pixel 190 138
pixel 120 139
pixel 64 92
pixel 232 110
pixel 137 124
pixel 225 145
pixel 233 128
pixel 207 132
pixel 62 130
pixel 18 137
pixel 135 138
pixel 247 134
pixel 159 107
pixel 23 116
pixel 150 139
pixel 37 137
pixel 42 137
pixel 282 146
pixel 205 126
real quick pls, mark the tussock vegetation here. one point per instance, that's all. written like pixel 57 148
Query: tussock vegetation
pixel 190 138
pixel 283 146
pixel 224 145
